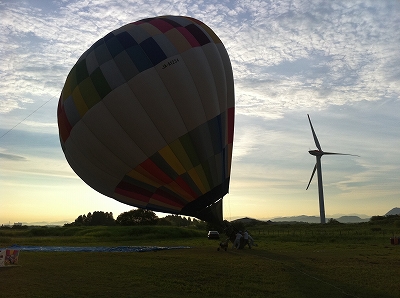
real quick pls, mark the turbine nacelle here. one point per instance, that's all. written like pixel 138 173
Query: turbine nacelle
pixel 316 152
pixel 320 153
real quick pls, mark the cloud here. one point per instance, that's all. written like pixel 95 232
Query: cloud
pixel 285 55
pixel 323 54
pixel 12 157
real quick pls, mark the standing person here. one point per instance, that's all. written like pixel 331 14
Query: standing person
pixel 236 243
pixel 246 239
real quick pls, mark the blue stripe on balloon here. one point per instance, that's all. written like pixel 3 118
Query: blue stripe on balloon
pixel 153 51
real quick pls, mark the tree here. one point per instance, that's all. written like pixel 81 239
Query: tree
pixel 333 221
pixel 100 218
pixel 80 221
pixel 179 221
pixel 97 218
pixel 137 217
pixel 88 219
pixel 164 222
pixel 176 220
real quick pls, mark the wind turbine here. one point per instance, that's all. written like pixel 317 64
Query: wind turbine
pixel 318 154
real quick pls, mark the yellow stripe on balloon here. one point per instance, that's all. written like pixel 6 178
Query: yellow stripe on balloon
pixel 196 179
pixel 180 152
pixel 79 102
pixel 202 175
pixel 170 157
pixel 140 177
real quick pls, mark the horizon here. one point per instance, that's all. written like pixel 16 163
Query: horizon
pixel 336 61
pixel 334 216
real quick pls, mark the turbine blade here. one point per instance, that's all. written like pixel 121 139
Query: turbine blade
pixel 312 175
pixel 340 154
pixel 314 134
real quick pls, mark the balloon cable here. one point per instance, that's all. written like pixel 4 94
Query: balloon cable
pixel 12 128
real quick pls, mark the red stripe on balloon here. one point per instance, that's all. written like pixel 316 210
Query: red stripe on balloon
pixel 189 37
pixel 231 123
pixel 134 192
pixel 166 198
pixel 182 183
pixel 64 126
pixel 154 170
pixel 161 25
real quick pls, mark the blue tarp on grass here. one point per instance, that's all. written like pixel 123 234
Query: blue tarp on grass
pixel 95 248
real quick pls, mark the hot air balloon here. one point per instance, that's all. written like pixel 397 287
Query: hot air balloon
pixel 146 117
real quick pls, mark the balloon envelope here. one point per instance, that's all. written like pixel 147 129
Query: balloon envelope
pixel 146 116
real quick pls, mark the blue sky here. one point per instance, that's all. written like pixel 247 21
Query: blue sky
pixel 335 60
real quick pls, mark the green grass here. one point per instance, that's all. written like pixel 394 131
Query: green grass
pixel 289 261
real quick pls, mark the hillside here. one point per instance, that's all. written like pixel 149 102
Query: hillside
pixel 394 211
pixel 316 219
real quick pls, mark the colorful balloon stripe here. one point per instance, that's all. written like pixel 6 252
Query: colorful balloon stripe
pixel 185 184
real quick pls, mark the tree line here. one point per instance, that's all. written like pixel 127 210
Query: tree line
pixel 135 217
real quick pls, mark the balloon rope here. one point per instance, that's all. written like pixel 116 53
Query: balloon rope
pixel 12 128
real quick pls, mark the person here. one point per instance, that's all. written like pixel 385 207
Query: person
pixel 251 241
pixel 236 243
pixel 246 239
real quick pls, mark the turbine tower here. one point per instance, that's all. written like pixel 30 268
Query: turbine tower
pixel 318 154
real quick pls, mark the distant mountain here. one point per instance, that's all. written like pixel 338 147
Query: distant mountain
pixel 301 218
pixel 246 220
pixel 351 219
pixel 394 211
pixel 316 219
pixel 45 223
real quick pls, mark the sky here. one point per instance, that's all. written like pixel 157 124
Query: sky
pixel 337 61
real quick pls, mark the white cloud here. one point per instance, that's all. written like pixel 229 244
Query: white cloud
pixel 282 53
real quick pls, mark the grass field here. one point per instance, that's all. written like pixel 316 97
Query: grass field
pixel 354 260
